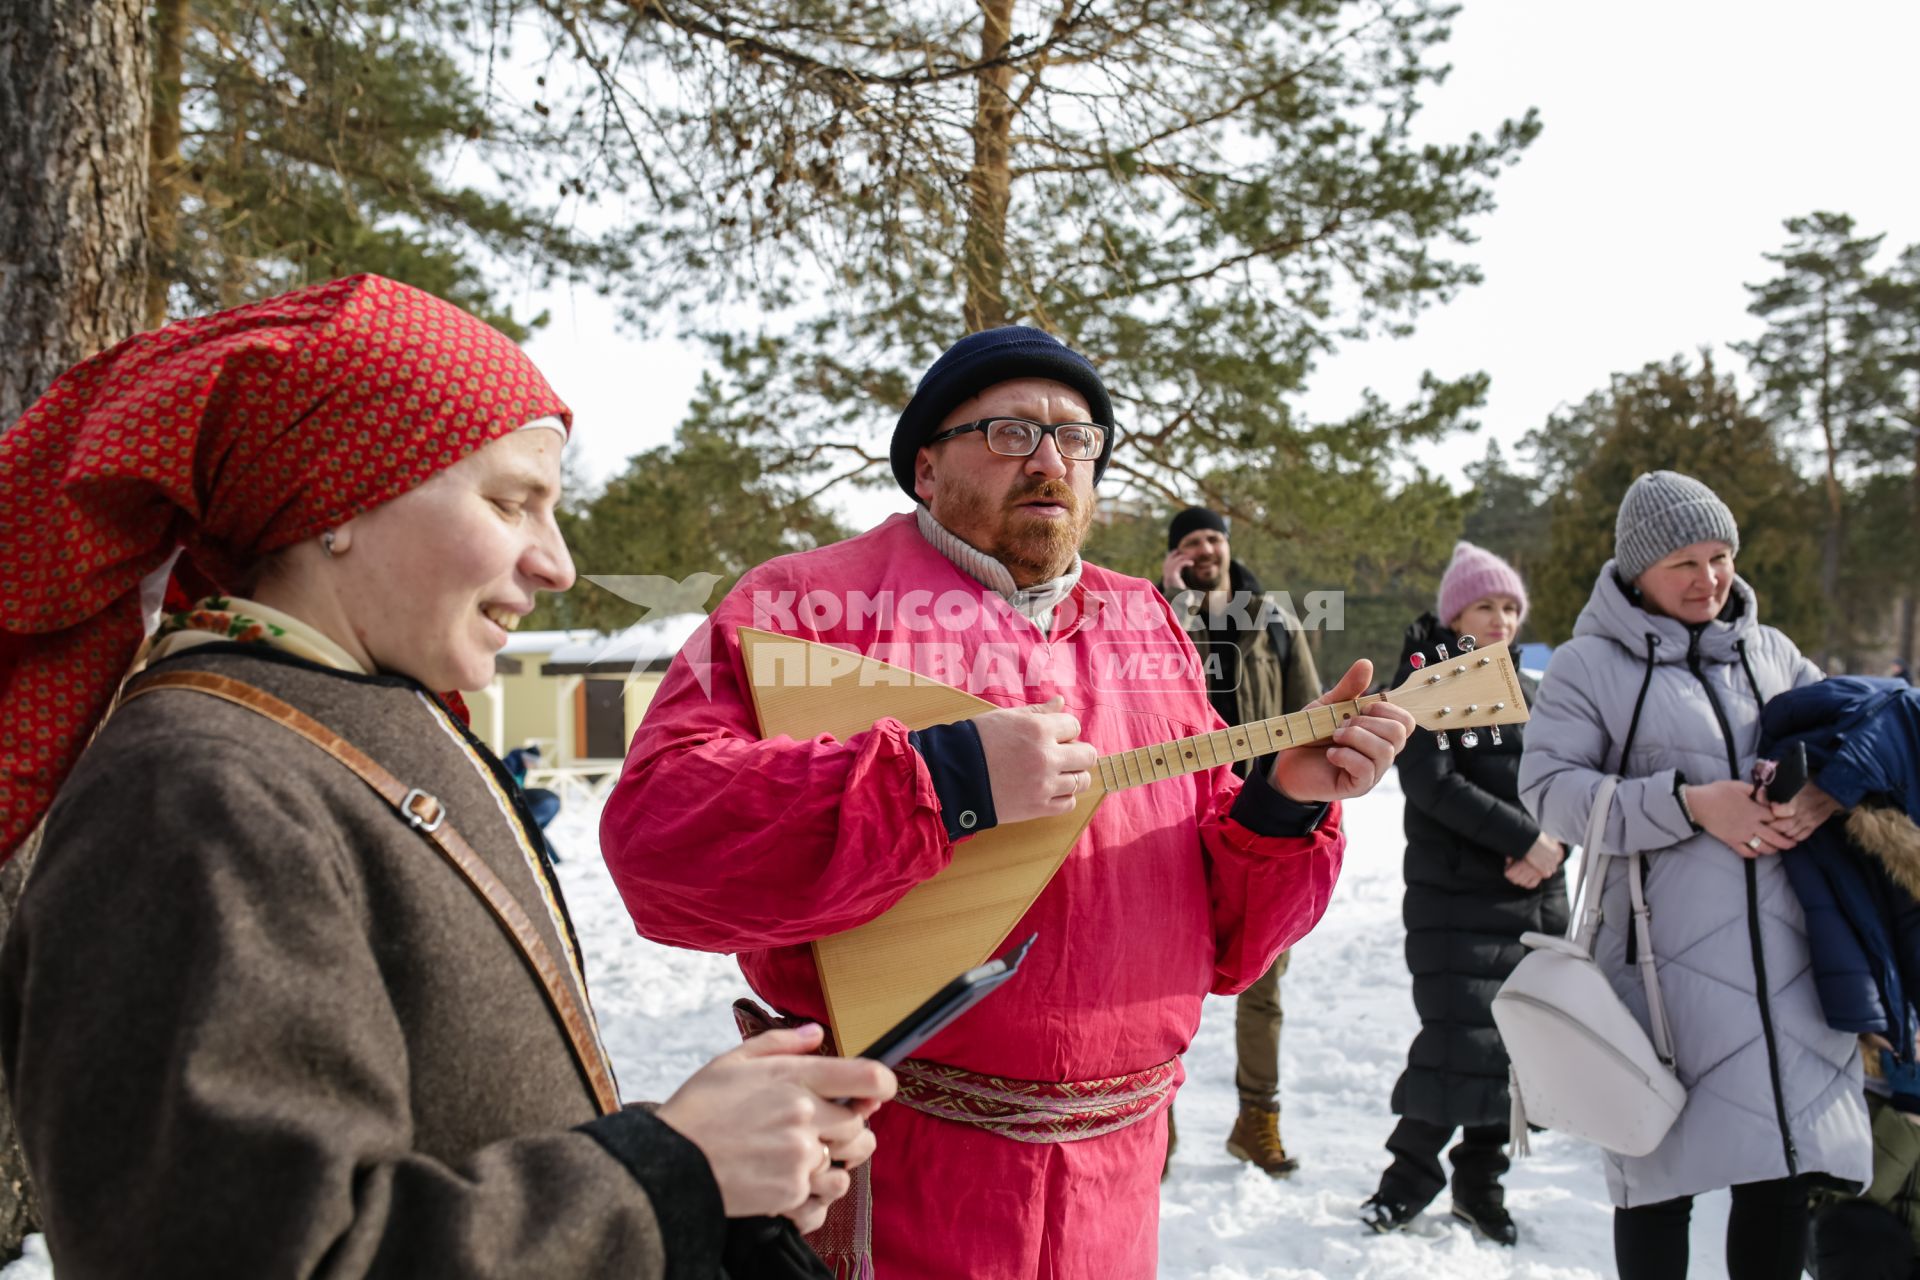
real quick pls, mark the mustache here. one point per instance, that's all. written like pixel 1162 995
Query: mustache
pixel 1045 489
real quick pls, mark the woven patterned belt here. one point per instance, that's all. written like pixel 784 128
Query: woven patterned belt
pixel 1035 1110
pixel 1023 1110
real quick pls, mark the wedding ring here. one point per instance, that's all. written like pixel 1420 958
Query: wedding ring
pixel 1754 844
pixel 826 1157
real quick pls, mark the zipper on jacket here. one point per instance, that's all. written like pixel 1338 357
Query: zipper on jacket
pixel 1753 921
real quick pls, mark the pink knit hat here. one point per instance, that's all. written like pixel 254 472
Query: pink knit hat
pixel 1475 574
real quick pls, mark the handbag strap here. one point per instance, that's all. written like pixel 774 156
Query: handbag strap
pixel 425 814
pixel 1586 925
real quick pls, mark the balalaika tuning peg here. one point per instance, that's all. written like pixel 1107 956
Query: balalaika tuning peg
pixel 1446 743
pixel 1441 650
pixel 1470 739
pixel 1494 730
pixel 1468 644
pixel 1418 660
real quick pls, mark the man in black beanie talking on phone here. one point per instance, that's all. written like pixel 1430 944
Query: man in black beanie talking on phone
pixel 1257 665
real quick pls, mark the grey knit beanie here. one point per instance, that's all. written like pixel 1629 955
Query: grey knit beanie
pixel 1662 512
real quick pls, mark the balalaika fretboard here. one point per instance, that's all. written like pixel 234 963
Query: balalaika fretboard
pixel 1142 765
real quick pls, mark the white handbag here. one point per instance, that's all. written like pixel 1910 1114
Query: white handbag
pixel 1581 1065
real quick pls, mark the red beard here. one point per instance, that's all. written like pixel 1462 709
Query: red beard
pixel 1034 549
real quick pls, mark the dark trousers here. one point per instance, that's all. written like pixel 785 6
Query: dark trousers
pixel 1860 1240
pixel 543 804
pixel 1415 1176
pixel 1766 1234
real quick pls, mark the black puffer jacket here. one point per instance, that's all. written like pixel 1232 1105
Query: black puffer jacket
pixel 1464 918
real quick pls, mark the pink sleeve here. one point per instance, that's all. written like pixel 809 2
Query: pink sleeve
pixel 1265 892
pixel 720 841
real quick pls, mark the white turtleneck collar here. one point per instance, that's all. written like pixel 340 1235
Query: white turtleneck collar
pixel 1035 603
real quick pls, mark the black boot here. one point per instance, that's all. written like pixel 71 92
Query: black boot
pixel 1488 1218
pixel 1479 1160
pixel 1383 1214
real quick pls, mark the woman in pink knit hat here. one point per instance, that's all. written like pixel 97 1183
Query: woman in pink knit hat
pixel 1479 874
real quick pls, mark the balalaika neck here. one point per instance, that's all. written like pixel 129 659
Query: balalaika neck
pixel 1142 765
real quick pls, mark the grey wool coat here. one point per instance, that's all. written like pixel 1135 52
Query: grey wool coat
pixel 254 1025
pixel 1771 1089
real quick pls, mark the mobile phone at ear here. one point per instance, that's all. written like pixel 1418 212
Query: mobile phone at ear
pixel 1789 775
pixel 939 1012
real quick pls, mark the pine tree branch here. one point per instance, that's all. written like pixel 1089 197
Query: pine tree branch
pixel 869 463
pixel 751 48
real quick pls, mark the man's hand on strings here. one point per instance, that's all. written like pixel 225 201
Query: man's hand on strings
pixel 1361 752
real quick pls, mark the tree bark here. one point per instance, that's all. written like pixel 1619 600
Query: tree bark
pixel 990 179
pixel 74 85
pixel 19 1213
pixel 73 185
pixel 1904 644
pixel 163 152
pixel 1830 546
pixel 1908 609
pixel 1836 531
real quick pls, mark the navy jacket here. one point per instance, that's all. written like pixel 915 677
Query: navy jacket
pixel 1862 737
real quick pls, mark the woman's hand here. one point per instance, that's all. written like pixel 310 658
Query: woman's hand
pixel 831 1178
pixel 1731 815
pixel 1362 751
pixel 1533 868
pixel 1799 817
pixel 766 1117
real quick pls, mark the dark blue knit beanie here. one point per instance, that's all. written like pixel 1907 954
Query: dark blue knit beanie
pixel 979 361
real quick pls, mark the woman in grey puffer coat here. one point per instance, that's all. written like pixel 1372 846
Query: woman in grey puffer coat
pixel 1663 684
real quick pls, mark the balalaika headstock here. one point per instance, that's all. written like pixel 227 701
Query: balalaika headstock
pixel 1463 693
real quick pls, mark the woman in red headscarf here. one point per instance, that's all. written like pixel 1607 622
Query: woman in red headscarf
pixel 291 990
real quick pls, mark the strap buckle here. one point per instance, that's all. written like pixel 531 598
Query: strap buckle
pixel 427 820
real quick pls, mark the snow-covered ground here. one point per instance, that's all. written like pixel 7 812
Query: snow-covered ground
pixel 1349 1020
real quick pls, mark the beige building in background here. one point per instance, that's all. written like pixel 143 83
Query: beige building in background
pixel 578 695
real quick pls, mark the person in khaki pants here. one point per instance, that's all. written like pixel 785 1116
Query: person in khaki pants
pixel 1257 665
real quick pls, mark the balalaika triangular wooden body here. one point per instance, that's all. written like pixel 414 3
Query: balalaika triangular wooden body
pixel 877 973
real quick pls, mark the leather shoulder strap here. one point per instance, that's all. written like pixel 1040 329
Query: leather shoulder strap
pixel 426 815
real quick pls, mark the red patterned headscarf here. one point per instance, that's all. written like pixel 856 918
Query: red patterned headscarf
pixel 231 436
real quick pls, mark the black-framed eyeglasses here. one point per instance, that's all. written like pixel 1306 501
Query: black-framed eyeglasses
pixel 1018 437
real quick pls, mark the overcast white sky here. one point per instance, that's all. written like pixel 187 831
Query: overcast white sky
pixel 1678 135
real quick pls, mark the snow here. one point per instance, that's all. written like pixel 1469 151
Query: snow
pixel 1349 1021
pixel 652 641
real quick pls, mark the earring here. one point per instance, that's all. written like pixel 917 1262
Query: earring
pixel 326 544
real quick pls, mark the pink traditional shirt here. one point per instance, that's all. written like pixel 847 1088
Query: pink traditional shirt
pixel 722 841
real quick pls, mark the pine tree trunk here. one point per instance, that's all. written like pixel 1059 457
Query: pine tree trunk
pixel 74 82
pixel 19 1214
pixel 163 151
pixel 1836 531
pixel 990 179
pixel 1830 546
pixel 1906 629
pixel 73 185
pixel 1908 604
